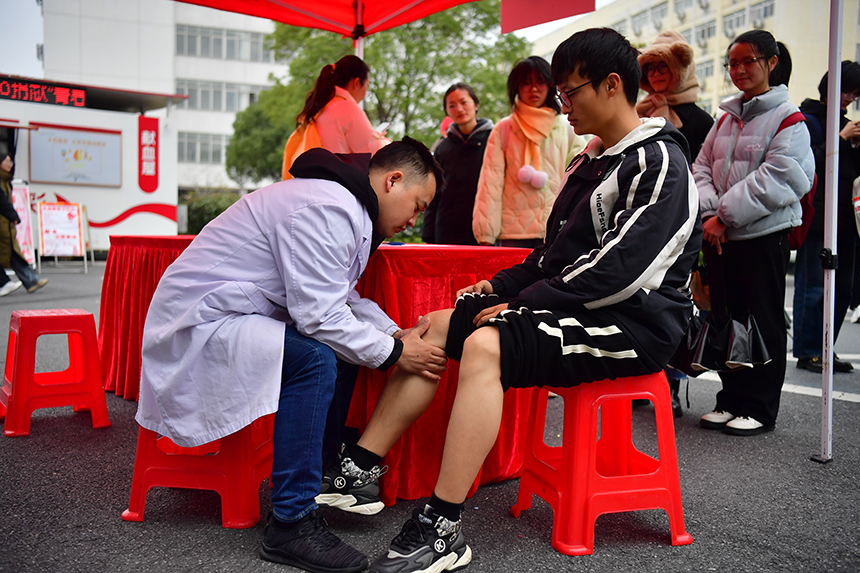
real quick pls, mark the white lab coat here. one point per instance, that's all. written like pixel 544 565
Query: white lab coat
pixel 212 354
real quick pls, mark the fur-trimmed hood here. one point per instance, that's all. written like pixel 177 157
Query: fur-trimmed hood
pixel 671 48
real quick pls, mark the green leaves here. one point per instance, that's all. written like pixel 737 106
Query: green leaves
pixel 411 66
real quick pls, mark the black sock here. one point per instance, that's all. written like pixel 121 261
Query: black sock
pixel 290 525
pixel 364 459
pixel 448 510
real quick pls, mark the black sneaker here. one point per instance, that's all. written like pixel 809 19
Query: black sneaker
pixel 309 545
pixel 350 488
pixel 425 544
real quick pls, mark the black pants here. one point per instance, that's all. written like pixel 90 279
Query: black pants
pixel 336 430
pixel 749 277
pixel 27 275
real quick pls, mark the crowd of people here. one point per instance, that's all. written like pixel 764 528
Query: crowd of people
pixel 614 194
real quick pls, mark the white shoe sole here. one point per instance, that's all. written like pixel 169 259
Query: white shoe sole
pixel 347 503
pixel 450 562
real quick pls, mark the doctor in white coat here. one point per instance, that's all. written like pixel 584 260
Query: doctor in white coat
pixel 251 318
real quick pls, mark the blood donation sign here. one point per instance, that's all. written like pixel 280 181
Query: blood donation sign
pixel 61 231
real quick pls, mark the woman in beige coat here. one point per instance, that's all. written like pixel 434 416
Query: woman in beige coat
pixel 523 165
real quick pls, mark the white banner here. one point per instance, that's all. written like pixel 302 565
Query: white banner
pixel 21 202
pixel 61 231
pixel 75 156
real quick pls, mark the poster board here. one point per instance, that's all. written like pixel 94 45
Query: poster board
pixel 69 155
pixel 21 202
pixel 61 230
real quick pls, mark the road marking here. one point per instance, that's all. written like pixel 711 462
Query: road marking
pixel 803 390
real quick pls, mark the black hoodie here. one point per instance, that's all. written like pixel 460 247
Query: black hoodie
pixel 622 236
pixel 349 170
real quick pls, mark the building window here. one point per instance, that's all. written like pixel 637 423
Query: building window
pixel 734 22
pixel 220 44
pixel 705 32
pixel 659 13
pixel 762 10
pixel 705 69
pixel 620 27
pixel 217 96
pixel 638 22
pixel 203 148
pixel 706 105
pixel 688 35
pixel 683 6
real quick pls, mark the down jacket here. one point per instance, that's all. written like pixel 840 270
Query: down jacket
pixel 748 178
pixel 507 208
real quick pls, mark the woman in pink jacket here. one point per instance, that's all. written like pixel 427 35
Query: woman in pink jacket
pixel 523 165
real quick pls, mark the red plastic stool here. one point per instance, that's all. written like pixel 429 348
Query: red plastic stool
pixel 233 466
pixel 80 385
pixel 587 477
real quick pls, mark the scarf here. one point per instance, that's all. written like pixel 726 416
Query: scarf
pixel 659 104
pixel 535 123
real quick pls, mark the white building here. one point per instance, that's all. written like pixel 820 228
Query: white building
pixel 216 58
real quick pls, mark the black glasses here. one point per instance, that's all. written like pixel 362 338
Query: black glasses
pixel 745 64
pixel 563 98
pixel 652 69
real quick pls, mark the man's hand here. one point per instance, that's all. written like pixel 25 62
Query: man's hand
pixel 714 233
pixel 489 313
pixel 483 287
pixel 420 357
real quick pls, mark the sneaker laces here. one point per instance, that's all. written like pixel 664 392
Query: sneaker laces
pixel 321 537
pixel 349 468
pixel 413 533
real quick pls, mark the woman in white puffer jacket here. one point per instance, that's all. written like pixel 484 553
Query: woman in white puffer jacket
pixel 523 165
pixel 751 175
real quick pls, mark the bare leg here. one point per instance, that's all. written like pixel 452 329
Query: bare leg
pixel 405 397
pixel 476 416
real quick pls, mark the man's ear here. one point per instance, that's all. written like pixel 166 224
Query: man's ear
pixel 392 178
pixel 614 83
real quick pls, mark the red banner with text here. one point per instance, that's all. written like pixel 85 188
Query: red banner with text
pixel 147 167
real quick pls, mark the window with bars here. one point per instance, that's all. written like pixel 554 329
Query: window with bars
pixel 659 13
pixel 762 10
pixel 688 35
pixel 638 21
pixel 220 44
pixel 705 69
pixel 620 27
pixel 706 31
pixel 734 22
pixel 205 148
pixel 217 96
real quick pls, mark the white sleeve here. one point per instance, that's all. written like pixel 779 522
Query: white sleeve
pixel 317 256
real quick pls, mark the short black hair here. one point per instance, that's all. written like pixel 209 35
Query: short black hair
pixel 410 156
pixel 850 79
pixel 460 86
pixel 594 54
pixel 524 71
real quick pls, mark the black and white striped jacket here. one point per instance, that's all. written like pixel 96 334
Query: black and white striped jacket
pixel 623 236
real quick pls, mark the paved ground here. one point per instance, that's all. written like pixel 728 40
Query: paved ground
pixel 751 504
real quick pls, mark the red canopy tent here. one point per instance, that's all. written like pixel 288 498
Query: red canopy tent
pixel 353 18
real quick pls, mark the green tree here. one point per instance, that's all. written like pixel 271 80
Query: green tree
pixel 411 67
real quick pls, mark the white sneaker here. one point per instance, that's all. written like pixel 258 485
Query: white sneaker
pixel 715 420
pixel 9 287
pixel 745 426
pixel 855 316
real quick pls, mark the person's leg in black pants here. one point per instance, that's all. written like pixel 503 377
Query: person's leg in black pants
pixel 336 431
pixel 752 280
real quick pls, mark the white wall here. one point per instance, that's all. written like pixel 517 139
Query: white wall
pixel 105 203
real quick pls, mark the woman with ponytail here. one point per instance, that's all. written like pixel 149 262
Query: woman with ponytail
pixel 523 165
pixel 332 118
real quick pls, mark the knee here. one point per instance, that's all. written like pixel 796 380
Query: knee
pixel 481 353
pixel 440 321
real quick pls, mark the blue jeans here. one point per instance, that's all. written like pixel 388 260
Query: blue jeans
pixel 307 386
pixel 808 319
pixel 27 275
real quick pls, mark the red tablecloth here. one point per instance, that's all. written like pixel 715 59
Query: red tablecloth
pixel 409 281
pixel 134 267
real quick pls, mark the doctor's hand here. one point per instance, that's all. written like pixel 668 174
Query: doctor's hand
pixel 420 357
pixel 483 287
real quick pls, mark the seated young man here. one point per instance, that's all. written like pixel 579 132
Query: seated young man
pixel 600 299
